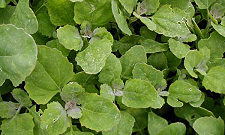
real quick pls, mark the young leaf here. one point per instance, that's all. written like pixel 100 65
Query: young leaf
pixel 70 38
pixel 150 6
pixel 18 55
pixel 209 126
pixel 120 18
pixel 98 113
pixel 20 124
pixel 71 91
pixel 111 71
pixel 183 91
pixel 93 58
pixel 124 127
pixel 60 12
pixel 178 48
pixel 24 17
pixel 54 119
pixel 101 33
pixel 173 129
pixel 22 97
pixel 141 94
pixel 213 80
pixel 107 92
pixel 134 55
pixel 219 28
pixel 128 5
pixel 151 46
pixel 149 23
pixel 47 80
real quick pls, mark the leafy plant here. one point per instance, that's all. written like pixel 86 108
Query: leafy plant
pixel 112 67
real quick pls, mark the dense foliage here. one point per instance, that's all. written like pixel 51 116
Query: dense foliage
pixel 112 67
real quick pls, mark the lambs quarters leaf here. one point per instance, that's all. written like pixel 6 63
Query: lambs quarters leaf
pixel 18 55
pixel 94 57
pixel 98 113
pixel 141 94
pixel 47 80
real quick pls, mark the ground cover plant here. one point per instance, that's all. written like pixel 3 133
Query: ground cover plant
pixel 112 67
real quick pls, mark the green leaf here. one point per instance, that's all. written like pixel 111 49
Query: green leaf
pixel 120 18
pixel 151 46
pixel 107 92
pixel 191 114
pixel 149 23
pixel 150 6
pixel 99 114
pixel 37 120
pixel 54 119
pixel 22 97
pixel 6 13
pixel 24 17
pixel 213 80
pixel 141 94
pixel 21 124
pixel 216 44
pixel 101 33
pixel 155 123
pixel 197 60
pixel 171 22
pixel 70 38
pixel 183 91
pixel 60 12
pixel 128 5
pixel 79 133
pixel 149 73
pixel 178 48
pixel 18 55
pixel 204 4
pixel 96 12
pixel 219 28
pixel 45 26
pixel 173 129
pixel 209 126
pixel 55 44
pixel 93 58
pixel 182 4
pixel 124 127
pixel 158 60
pixel 111 71
pixel 47 80
pixel 71 91
pixel 8 109
pixel 134 55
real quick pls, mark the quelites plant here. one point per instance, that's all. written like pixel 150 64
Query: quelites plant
pixel 112 67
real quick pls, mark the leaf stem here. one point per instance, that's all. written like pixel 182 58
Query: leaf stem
pixel 197 29
pixel 211 17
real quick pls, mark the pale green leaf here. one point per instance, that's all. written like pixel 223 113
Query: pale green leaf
pixel 214 79
pixel 93 58
pixel 149 23
pixel 171 22
pixel 158 61
pixel 124 127
pixel 107 92
pixel 8 109
pixel 183 91
pixel 54 119
pixel 18 55
pixel 173 129
pixel 111 71
pixel 71 91
pixel 24 17
pixel 151 46
pixel 120 18
pixel 128 5
pixel 204 4
pixel 219 28
pixel 141 94
pixel 209 126
pixel 178 48
pixel 101 33
pixel 60 12
pixel 155 123
pixel 70 38
pixel 96 12
pixel 47 80
pixel 20 124
pixel 55 44
pixel 150 6
pixel 22 97
pixel 149 73
pixel 98 113
pixel 134 55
